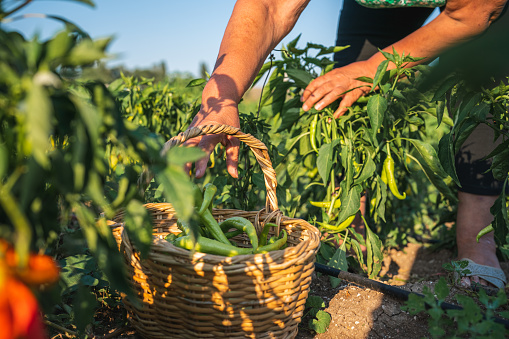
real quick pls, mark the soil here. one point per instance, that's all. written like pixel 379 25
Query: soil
pixel 359 312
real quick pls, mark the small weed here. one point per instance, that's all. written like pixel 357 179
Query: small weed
pixel 320 320
pixel 458 269
pixel 455 323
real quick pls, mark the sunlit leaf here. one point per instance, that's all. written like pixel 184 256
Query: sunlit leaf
pixel 301 77
pixel 138 224
pixel 177 189
pixel 179 156
pixel 39 118
pixel 196 82
pixel 377 106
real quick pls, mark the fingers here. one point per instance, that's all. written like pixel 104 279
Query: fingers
pixel 232 155
pixel 190 143
pixel 207 144
pixel 348 100
pixel 315 91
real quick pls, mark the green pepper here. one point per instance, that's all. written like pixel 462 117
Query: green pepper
pixel 312 133
pixel 341 227
pixel 243 224
pixel 484 231
pixel 274 246
pixel 326 204
pixel 388 166
pixel 209 191
pixel 213 227
pixel 232 234
pixel 198 196
pixel 205 245
pixel 170 237
pixel 262 241
pixel 183 226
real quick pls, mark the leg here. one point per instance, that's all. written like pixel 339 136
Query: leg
pixel 473 215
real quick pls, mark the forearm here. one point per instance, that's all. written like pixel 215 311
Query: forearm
pixel 459 22
pixel 254 29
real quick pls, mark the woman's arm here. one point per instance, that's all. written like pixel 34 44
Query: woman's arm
pixel 460 21
pixel 254 29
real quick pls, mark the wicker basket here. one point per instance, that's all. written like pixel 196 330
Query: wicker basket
pixel 211 296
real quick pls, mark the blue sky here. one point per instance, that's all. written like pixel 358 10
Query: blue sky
pixel 181 33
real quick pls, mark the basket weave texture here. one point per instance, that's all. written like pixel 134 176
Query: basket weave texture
pixel 211 296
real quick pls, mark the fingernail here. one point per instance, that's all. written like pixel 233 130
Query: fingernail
pixel 318 107
pixel 198 173
pixel 305 107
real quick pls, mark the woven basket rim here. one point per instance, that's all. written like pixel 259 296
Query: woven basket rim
pixel 160 245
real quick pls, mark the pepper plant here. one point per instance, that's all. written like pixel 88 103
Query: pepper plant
pixel 67 152
pixel 369 151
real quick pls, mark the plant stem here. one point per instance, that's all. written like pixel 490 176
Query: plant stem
pixel 17 8
pixel 60 328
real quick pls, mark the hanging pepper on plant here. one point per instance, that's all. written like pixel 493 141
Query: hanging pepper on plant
pixel 312 133
pixel 388 175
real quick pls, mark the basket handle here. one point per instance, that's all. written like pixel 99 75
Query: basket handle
pixel 257 147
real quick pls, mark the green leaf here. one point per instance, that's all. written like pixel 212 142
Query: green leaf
pixel 377 105
pixel 500 165
pixel 302 78
pixel 4 161
pixel 39 117
pixel 179 156
pixel 314 301
pixel 266 67
pixel 89 280
pixel 380 73
pixel 332 49
pixel 84 305
pixel 429 155
pixel 74 268
pixel 500 221
pixel 338 261
pixel 177 190
pixel 365 79
pixel 441 289
pixel 138 224
pixel 440 109
pixel 196 82
pixel 87 52
pixel 327 251
pixel 350 202
pixel 321 323
pixel 58 46
pixel 466 108
pixel 289 118
pixel 85 2
pixel 446 155
pixel 444 87
pixel 368 168
pixel 374 253
pixel 324 161
pixel 388 56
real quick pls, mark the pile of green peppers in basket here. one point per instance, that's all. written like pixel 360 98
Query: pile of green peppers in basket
pixel 214 238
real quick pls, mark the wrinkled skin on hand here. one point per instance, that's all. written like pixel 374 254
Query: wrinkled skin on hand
pixel 337 84
pixel 222 114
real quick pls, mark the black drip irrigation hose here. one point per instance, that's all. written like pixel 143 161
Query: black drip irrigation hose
pixel 389 290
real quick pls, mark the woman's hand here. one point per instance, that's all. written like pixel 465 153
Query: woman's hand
pixel 216 113
pixel 339 83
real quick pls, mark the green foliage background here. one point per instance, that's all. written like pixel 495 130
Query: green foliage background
pixel 74 147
